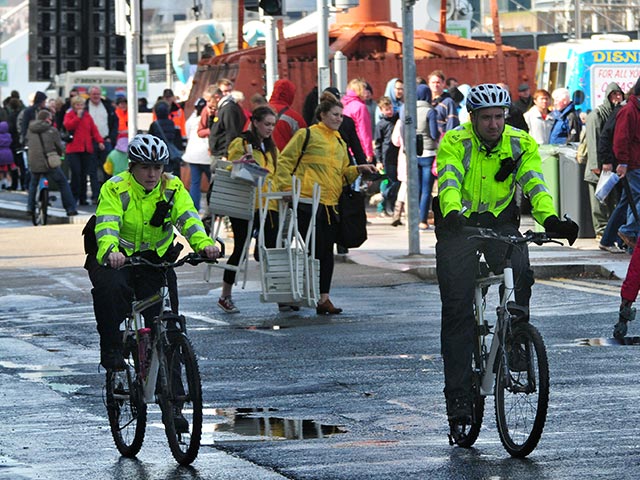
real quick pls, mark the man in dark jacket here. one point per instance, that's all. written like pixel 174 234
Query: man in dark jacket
pixel 227 125
pixel 626 148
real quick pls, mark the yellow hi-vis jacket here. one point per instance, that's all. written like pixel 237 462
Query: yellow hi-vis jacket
pixel 325 162
pixel 124 210
pixel 466 173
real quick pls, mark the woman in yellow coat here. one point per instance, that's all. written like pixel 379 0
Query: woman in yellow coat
pixel 324 161
pixel 256 140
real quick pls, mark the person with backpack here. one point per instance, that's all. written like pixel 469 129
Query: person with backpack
pixel 325 161
pixel 136 215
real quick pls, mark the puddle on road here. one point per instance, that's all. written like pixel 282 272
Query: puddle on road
pixel 260 422
pixel 608 342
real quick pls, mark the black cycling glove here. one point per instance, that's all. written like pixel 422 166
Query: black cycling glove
pixel 561 228
pixel 453 221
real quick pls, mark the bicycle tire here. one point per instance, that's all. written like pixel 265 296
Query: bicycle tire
pixel 182 391
pixel 477 412
pixel 36 213
pixel 126 408
pixel 521 409
pixel 44 206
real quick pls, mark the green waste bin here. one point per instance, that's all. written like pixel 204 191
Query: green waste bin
pixel 574 192
pixel 551 173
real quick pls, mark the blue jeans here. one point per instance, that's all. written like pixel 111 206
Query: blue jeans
pixel 617 218
pixel 197 170
pixel 632 226
pixel 57 175
pixel 425 180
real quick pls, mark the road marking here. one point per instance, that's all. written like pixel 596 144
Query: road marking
pixel 582 286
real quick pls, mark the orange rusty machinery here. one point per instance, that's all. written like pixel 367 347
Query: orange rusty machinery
pixel 372 45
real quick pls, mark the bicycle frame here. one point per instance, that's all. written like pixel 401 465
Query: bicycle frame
pixel 489 360
pixel 157 332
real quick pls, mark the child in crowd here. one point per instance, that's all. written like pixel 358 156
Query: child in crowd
pixel 7 166
pixel 386 154
pixel 117 160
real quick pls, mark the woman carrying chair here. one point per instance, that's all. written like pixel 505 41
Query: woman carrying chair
pixel 324 161
pixel 256 141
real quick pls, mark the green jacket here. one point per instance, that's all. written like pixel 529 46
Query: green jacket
pixel 124 210
pixel 466 173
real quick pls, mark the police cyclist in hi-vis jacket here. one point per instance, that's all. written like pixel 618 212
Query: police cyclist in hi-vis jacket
pixel 136 214
pixel 480 163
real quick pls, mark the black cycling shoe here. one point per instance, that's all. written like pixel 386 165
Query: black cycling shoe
pixel 627 313
pixel 112 360
pixel 459 429
pixel 518 358
pixel 459 414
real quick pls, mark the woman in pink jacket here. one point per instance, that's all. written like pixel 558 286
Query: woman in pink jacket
pixel 79 152
pixel 355 108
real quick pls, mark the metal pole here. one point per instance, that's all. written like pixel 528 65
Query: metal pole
pixel 324 73
pixel 578 20
pixel 340 69
pixel 271 54
pixel 133 39
pixel 409 75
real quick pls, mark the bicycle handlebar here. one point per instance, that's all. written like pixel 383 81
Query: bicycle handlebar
pixel 529 236
pixel 192 258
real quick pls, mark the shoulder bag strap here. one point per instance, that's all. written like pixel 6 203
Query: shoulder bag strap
pixel 304 148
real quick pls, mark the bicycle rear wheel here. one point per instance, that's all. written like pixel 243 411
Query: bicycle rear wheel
pixel 522 391
pixel 39 213
pixel 182 399
pixel 125 406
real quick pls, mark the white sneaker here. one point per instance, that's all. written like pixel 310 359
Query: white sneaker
pixel 611 249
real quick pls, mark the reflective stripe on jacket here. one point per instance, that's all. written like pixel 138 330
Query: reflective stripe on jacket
pixel 466 173
pixel 125 209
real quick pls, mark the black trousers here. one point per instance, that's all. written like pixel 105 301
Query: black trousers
pixel 241 230
pixel 456 264
pixel 326 234
pixel 114 290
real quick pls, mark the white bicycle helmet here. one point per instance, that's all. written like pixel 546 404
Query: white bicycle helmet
pixel 487 95
pixel 145 148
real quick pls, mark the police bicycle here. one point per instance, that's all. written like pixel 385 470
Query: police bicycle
pixel 509 358
pixel 161 367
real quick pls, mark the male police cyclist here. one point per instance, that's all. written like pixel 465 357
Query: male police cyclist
pixel 479 165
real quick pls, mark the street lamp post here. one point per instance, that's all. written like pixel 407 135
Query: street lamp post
pixel 410 113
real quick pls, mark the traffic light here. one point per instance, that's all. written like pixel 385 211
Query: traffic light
pixel 272 8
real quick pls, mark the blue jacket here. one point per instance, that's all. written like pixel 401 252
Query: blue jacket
pixel 566 127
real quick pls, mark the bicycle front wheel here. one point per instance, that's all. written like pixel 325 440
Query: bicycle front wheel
pixel 522 390
pixel 182 402
pixel 125 406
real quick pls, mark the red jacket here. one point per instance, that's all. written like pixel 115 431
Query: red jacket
pixel 84 132
pixel 289 121
pixel 626 139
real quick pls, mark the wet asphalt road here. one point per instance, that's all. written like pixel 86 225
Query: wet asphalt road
pixel 357 396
